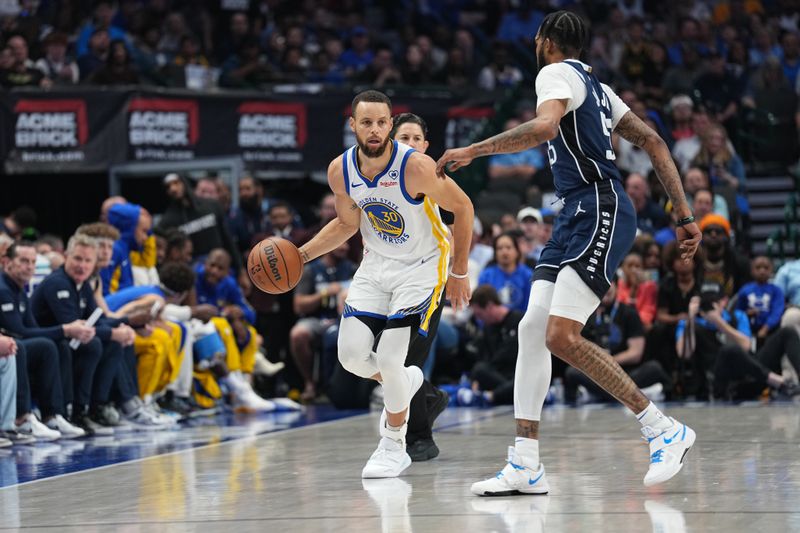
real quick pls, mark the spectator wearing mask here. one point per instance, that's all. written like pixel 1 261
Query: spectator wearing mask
pixel 616 327
pixel 41 356
pixel 64 297
pixel 633 290
pixel 722 264
pixel 718 341
pixel 761 300
pixel 649 216
pixel 509 276
pixel 495 346
pixel 316 301
pixel 55 65
pixel 202 220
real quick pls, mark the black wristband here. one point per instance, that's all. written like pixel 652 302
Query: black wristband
pixel 684 221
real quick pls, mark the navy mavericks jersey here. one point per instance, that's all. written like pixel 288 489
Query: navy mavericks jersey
pixel 582 154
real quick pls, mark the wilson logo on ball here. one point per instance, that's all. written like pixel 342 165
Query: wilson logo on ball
pixel 272 261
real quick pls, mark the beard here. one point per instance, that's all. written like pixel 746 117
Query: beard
pixel 372 153
pixel 251 203
pixel 540 61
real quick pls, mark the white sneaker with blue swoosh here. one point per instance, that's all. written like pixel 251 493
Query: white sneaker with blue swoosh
pixel 515 478
pixel 667 451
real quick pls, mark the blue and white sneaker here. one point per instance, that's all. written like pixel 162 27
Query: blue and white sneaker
pixel 667 451
pixel 515 478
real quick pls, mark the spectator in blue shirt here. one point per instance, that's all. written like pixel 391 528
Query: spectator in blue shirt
pixel 523 165
pixel 103 15
pixel 761 300
pixel 358 56
pixel 216 286
pixel 509 276
pixel 520 24
pixel 788 280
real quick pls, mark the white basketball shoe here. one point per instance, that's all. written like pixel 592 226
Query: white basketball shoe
pixel 390 457
pixel 515 478
pixel 667 451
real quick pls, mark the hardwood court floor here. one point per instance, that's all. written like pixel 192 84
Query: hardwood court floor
pixel 742 475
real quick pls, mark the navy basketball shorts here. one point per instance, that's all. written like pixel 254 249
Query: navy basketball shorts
pixel 592 234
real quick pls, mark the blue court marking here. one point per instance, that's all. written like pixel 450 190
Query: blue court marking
pixel 24 464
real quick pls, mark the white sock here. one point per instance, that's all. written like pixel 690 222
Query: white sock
pixel 654 418
pixel 529 450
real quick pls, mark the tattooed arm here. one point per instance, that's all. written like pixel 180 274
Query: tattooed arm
pixel 528 135
pixel 636 132
pixel 341 228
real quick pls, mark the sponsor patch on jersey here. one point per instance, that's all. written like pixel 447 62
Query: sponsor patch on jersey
pixel 388 184
pixel 387 222
pixel 62 295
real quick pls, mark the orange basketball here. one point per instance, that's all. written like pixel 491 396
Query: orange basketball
pixel 274 265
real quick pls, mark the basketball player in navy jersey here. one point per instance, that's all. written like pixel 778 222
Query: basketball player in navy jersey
pixel 595 229
pixel 390 192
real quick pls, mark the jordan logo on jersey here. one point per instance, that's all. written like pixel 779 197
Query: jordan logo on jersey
pixel 385 219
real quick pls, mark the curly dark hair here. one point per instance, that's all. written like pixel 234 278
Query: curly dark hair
pixel 176 276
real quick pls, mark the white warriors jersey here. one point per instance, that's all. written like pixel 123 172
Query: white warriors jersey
pixel 393 224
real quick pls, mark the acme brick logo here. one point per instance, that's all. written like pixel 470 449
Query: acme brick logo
pixel 51 123
pixel 272 125
pixel 163 122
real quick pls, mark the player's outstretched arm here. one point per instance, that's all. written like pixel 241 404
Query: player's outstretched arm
pixel 632 129
pixel 341 228
pixel 421 179
pixel 528 135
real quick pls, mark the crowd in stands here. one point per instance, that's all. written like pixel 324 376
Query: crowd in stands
pixel 182 332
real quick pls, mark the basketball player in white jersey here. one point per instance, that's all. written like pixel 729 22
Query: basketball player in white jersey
pixel 593 232
pixel 391 193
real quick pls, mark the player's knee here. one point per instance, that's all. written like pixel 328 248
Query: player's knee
pixel 300 334
pixel 559 337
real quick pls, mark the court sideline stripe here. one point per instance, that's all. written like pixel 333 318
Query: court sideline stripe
pixel 191 449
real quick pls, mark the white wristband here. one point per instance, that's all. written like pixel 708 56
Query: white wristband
pixel 458 276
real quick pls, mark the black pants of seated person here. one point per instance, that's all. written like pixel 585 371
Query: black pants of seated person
pixel 643 375
pixel 493 380
pixel 38 377
pixel 734 364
